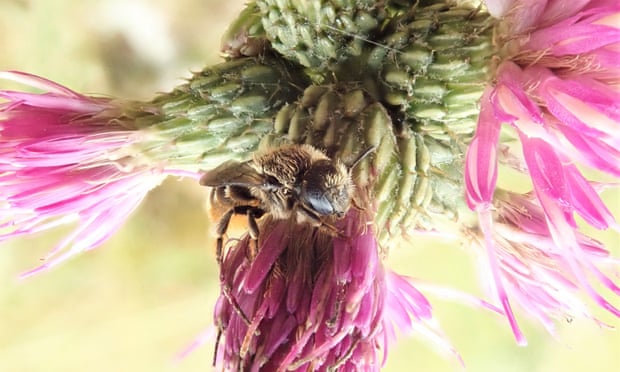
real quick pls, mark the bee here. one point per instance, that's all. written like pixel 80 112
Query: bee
pixel 296 182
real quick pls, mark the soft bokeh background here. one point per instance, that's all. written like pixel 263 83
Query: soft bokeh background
pixel 136 302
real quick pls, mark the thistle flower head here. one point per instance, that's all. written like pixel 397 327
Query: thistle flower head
pixel 63 159
pixel 313 301
pixel 556 87
pixel 69 157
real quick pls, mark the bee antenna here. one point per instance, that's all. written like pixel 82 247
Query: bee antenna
pixel 361 157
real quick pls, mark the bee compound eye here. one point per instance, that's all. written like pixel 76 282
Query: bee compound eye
pixel 319 202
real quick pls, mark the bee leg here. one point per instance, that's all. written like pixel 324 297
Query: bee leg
pixel 343 359
pixel 222 226
pixel 330 229
pixel 358 205
pixel 253 231
pixel 217 344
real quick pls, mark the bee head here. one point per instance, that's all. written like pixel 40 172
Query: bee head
pixel 326 188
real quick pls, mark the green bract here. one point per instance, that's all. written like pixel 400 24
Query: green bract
pixel 342 76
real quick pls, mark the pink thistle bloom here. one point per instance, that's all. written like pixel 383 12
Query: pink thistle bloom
pixel 315 302
pixel 64 159
pixel 556 86
pixel 540 275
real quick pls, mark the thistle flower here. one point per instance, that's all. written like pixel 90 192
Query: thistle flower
pixel 315 302
pixel 63 159
pixel 420 82
pixel 555 86
pixel 67 157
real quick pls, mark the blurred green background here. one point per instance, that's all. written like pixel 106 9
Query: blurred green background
pixel 136 302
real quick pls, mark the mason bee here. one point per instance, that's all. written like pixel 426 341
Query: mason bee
pixel 291 182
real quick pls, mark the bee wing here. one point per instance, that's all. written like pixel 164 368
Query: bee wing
pixel 232 173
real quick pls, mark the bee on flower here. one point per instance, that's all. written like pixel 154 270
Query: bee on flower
pixel 450 96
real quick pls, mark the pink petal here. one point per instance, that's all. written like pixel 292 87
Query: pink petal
pixel 481 158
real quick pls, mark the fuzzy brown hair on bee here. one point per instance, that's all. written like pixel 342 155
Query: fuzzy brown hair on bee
pixel 296 182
